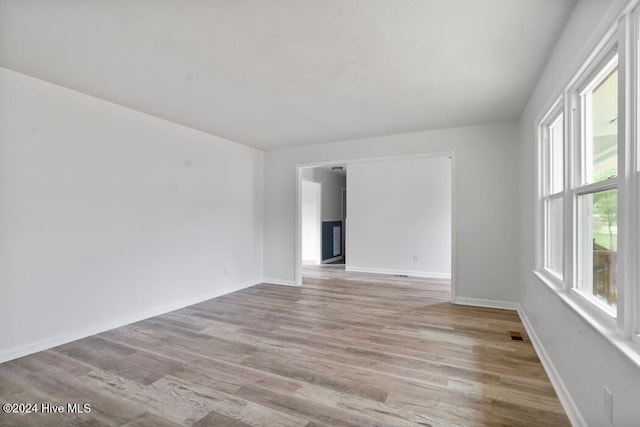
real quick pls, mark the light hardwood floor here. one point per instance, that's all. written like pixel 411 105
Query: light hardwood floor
pixel 343 349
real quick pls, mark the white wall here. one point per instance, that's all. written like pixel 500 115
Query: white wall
pixel 485 183
pixel 332 185
pixel 331 197
pixel 398 210
pixel 108 215
pixel 584 361
pixel 311 222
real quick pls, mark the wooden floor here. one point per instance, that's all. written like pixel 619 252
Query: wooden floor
pixel 343 349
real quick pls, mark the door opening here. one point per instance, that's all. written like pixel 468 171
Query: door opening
pixel 383 254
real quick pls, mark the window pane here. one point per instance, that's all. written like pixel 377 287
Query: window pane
pixel 598 245
pixel 556 155
pixel 601 150
pixel 554 236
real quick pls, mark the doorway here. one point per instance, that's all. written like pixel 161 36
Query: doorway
pixel 418 259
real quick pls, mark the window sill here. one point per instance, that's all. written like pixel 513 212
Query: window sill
pixel 607 330
pixel 552 279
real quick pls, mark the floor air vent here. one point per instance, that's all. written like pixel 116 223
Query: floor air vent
pixel 516 336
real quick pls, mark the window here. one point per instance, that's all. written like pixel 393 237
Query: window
pixel 589 189
pixel 597 195
pixel 553 192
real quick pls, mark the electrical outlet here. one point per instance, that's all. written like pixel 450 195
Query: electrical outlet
pixel 416 258
pixel 225 271
pixel 608 404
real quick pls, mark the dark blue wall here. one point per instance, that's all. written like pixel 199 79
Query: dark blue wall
pixel 327 239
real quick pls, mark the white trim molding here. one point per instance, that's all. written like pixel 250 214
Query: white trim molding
pixel 279 282
pixel 47 343
pixel 568 404
pixel 561 390
pixel 334 259
pixel 410 273
pixel 486 303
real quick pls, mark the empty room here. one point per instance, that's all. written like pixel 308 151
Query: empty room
pixel 319 213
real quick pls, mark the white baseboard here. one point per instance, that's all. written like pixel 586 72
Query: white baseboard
pixel 279 282
pixel 563 394
pixel 47 343
pixel 334 259
pixel 487 303
pixel 411 273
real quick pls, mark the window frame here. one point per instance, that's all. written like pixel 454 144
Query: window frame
pixel 607 59
pixel 546 196
pixel 631 184
pixel 601 70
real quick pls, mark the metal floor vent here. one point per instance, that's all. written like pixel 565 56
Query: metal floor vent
pixel 516 336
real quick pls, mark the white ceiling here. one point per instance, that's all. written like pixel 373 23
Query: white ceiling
pixel 285 72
